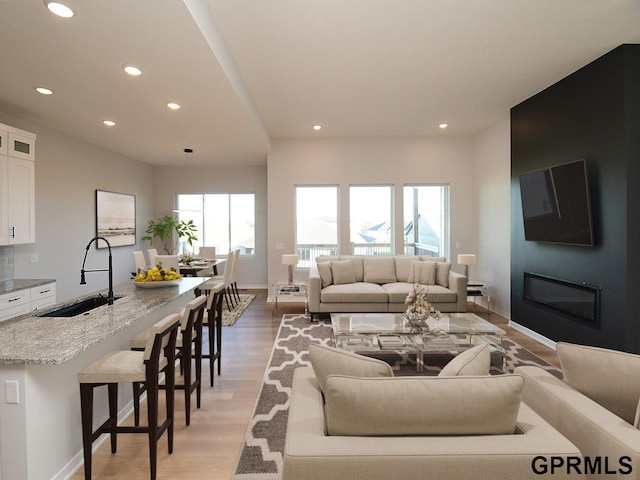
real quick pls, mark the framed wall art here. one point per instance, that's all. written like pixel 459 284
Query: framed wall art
pixel 115 218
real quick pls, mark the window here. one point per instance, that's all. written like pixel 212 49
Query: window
pixel 426 220
pixel 224 220
pixel 371 228
pixel 316 223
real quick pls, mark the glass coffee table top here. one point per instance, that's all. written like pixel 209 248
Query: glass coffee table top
pixel 396 323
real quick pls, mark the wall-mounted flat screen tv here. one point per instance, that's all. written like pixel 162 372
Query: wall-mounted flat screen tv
pixel 555 205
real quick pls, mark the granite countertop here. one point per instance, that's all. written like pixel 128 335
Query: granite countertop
pixel 28 339
pixel 9 286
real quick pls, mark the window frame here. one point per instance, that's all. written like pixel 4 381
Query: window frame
pixel 445 240
pixel 392 226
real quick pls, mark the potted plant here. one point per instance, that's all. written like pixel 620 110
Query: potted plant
pixel 164 229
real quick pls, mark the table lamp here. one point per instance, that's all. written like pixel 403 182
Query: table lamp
pixel 466 259
pixel 290 259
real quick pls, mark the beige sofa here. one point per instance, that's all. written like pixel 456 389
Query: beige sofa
pixel 381 284
pixel 596 407
pixel 311 454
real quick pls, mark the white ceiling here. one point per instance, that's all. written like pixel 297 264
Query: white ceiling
pixel 250 71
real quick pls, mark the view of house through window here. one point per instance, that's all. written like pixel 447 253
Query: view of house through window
pixel 316 223
pixel 371 229
pixel 425 220
pixel 224 220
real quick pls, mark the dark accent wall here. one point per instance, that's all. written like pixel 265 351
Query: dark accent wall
pixel 594 114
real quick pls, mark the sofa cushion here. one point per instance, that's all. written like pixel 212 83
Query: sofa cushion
pixel 334 361
pixel 326 277
pixel 358 292
pixel 608 377
pixel 398 292
pixel 379 269
pixel 342 272
pixel 442 274
pixel 422 405
pixel 473 362
pixel 356 262
pixel 422 272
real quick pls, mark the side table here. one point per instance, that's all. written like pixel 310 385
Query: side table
pixel 283 292
pixel 477 289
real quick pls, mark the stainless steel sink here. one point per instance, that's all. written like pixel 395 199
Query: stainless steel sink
pixel 79 308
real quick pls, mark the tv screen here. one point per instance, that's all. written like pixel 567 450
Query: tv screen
pixel 556 206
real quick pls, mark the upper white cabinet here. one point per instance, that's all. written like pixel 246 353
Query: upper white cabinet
pixel 17 180
pixel 3 141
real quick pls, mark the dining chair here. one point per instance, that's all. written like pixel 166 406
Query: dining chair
pixel 234 275
pixel 138 257
pixel 140 368
pixel 225 279
pixel 152 253
pixel 207 252
pixel 169 261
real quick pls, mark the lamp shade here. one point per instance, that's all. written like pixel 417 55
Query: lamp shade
pixel 290 259
pixel 466 259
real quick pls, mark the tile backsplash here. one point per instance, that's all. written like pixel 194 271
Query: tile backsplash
pixel 6 264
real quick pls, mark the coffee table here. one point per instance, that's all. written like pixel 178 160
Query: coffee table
pixel 392 332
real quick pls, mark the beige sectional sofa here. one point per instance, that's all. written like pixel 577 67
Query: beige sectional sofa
pixel 596 406
pixel 311 453
pixel 375 283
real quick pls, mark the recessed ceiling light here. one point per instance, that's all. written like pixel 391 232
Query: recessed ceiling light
pixel 131 70
pixel 443 125
pixel 317 127
pixel 173 106
pixel 44 91
pixel 59 9
pixel 109 123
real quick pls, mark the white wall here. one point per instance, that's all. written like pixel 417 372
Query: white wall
pixel 491 186
pixel 345 162
pixel 252 270
pixel 68 171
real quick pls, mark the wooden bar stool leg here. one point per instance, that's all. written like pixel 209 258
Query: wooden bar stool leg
pixel 152 418
pixel 170 382
pixel 210 335
pixel 86 407
pixel 186 356
pixel 113 414
pixel 198 359
pixel 136 403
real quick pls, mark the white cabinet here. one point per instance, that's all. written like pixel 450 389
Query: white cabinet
pixel 27 300
pixel 14 304
pixel 17 182
pixel 3 141
pixel 43 296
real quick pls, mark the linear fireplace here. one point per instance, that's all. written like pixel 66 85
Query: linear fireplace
pixel 578 301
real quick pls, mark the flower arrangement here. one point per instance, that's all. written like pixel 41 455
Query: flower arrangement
pixel 417 304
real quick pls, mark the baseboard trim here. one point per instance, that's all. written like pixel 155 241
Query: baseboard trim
pixel 534 335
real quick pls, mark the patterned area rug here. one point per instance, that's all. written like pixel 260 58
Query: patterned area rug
pixel 261 454
pixel 230 317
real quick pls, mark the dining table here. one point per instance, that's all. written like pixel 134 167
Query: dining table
pixel 191 269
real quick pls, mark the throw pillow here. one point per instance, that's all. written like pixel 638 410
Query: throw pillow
pixel 422 405
pixel 330 361
pixel 324 269
pixel 379 270
pixel 442 274
pixel 342 272
pixel 473 362
pixel 422 272
pixel 607 377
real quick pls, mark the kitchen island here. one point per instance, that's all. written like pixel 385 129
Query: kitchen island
pixel 41 435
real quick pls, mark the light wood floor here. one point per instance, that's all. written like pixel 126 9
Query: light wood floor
pixel 208 448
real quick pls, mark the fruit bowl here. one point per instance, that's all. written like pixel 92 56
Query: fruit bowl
pixel 158 284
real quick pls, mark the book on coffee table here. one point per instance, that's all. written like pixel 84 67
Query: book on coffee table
pixel 390 341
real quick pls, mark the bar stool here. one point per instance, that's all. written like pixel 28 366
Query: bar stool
pixel 136 367
pixel 188 350
pixel 213 322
